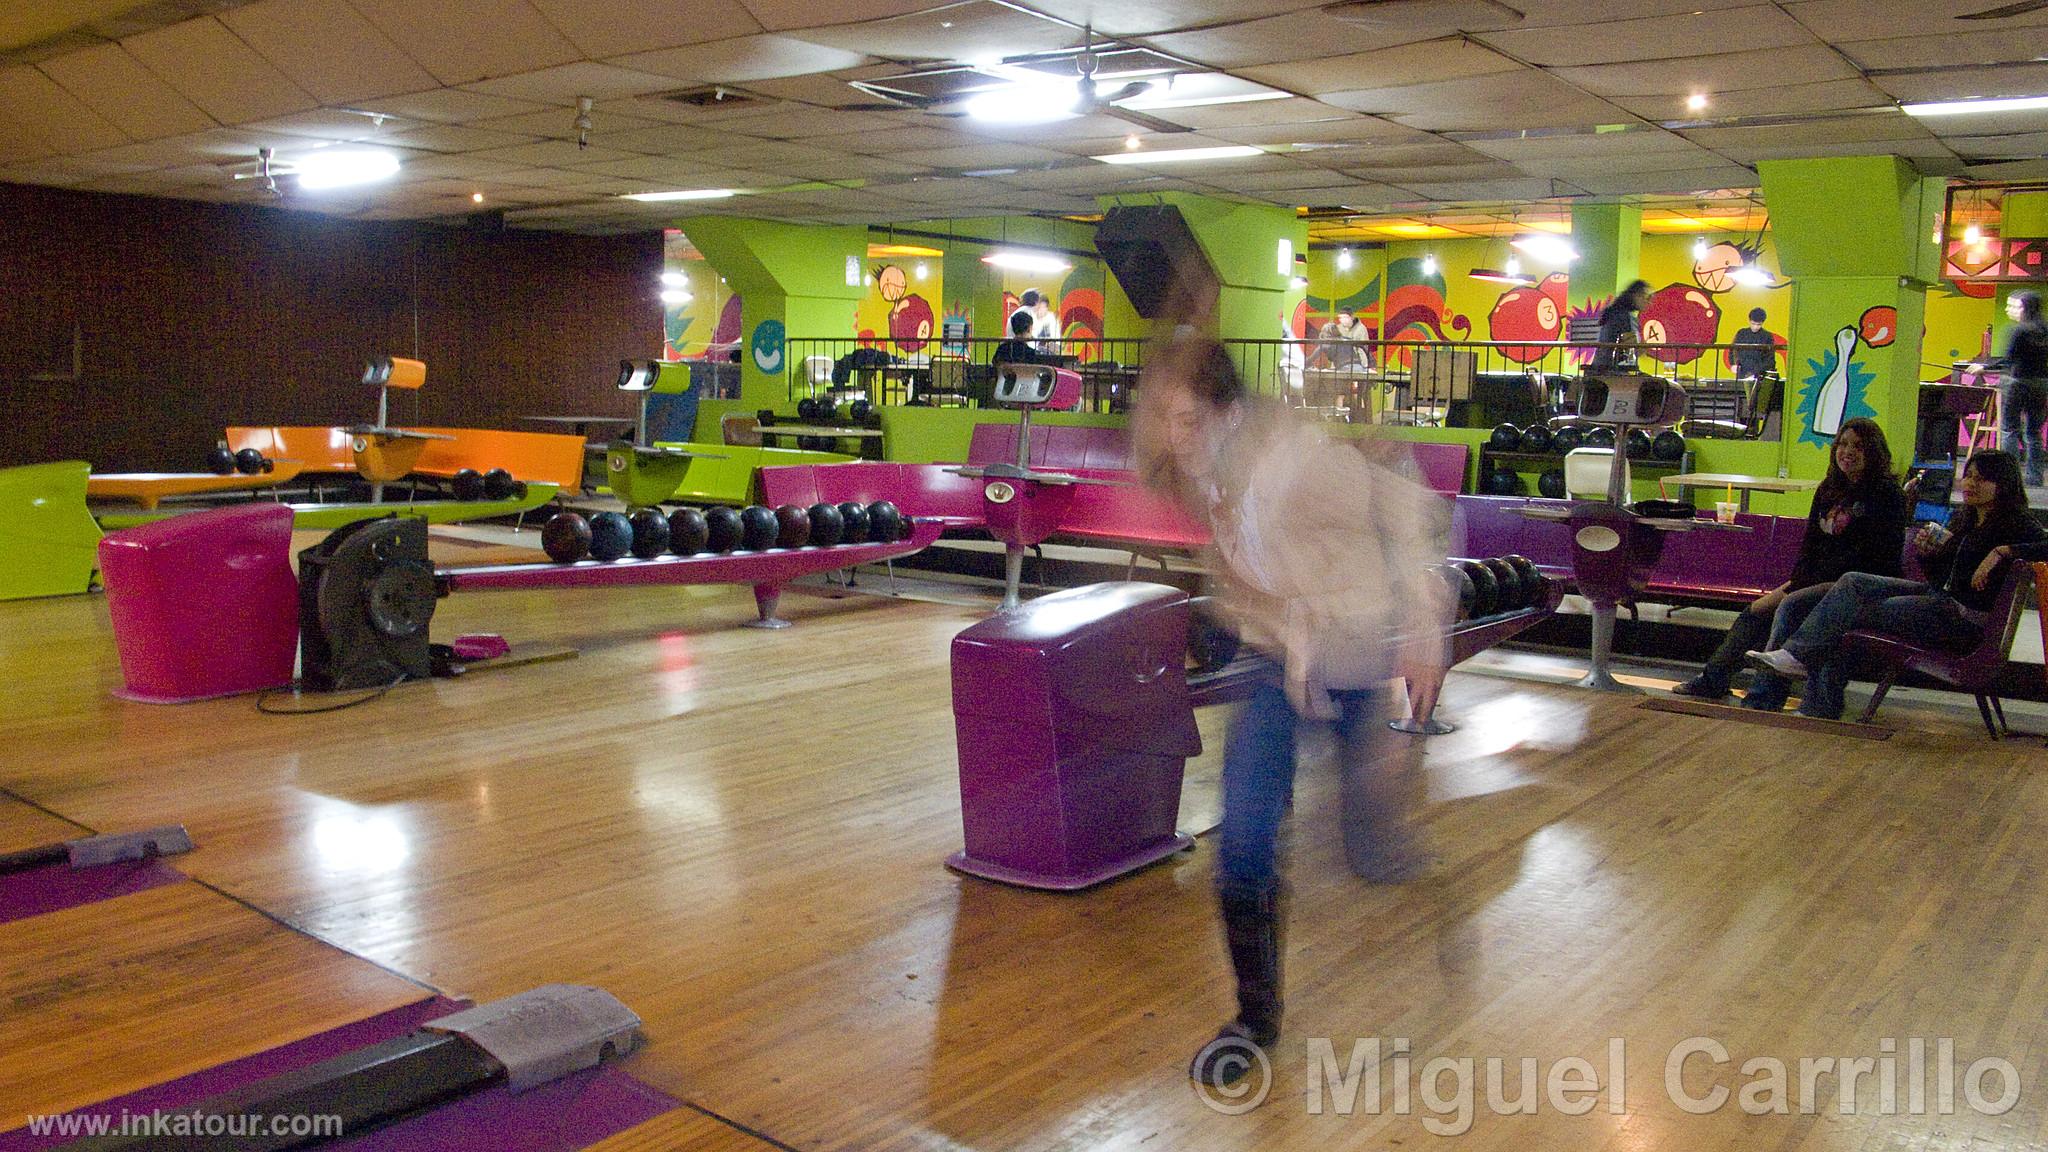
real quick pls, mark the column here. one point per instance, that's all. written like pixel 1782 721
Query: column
pixel 794 280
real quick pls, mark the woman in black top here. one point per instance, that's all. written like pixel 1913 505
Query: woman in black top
pixel 1618 331
pixel 1966 567
pixel 2023 387
pixel 1858 524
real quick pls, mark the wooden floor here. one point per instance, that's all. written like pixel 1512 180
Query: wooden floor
pixel 740 834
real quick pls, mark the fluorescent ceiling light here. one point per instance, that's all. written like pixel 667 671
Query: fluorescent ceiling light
pixel 1026 103
pixel 685 194
pixel 1026 261
pixel 1146 104
pixel 1970 107
pixel 673 280
pixel 1546 248
pixel 1498 277
pixel 318 170
pixel 675 296
pixel 1230 152
pixel 1752 276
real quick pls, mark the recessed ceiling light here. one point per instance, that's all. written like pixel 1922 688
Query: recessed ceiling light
pixel 319 170
pixel 1973 235
pixel 1971 107
pixel 688 194
pixel 1344 259
pixel 1174 155
pixel 1131 142
pixel 476 197
pixel 1697 102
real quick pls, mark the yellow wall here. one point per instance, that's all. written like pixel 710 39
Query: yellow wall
pixel 689 328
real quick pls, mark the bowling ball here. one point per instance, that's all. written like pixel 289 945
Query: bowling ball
pixel 1507 584
pixel 794 526
pixel 1668 445
pixel 565 537
pixel 828 409
pixel 721 529
pixel 220 461
pixel 1568 437
pixel 1503 482
pixel 1600 437
pixel 1505 438
pixel 467 484
pixel 855 516
pixel 499 485
pixel 1461 587
pixel 758 528
pixel 885 523
pixel 1536 438
pixel 1638 442
pixel 1485 589
pixel 1534 582
pixel 827 528
pixel 650 533
pixel 249 462
pixel 687 531
pixel 611 536
pixel 1551 483
pixel 807 409
pixel 859 411
pixel 1212 644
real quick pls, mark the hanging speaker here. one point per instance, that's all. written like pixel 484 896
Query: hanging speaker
pixel 1150 249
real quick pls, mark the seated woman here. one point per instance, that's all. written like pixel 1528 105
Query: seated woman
pixel 1858 524
pixel 1965 564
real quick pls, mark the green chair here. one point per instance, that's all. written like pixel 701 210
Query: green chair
pixel 49 542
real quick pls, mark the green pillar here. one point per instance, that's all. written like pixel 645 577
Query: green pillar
pixel 1244 243
pixel 793 281
pixel 1855 237
pixel 1609 238
pixel 2023 216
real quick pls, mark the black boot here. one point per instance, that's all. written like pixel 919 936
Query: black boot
pixel 1252 929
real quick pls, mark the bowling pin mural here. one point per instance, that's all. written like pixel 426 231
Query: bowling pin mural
pixel 1836 387
pixel 1834 391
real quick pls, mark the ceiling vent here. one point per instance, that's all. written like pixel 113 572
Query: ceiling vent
pixel 715 96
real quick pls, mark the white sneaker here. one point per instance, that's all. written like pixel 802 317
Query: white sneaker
pixel 1779 661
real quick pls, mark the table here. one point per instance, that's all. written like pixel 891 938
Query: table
pixel 582 423
pixel 1740 483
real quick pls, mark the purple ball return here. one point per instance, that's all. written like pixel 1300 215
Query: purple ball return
pixel 1074 727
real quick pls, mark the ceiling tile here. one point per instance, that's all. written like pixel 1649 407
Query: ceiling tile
pixel 2006 146
pixel 328 49
pixel 1153 17
pixel 324 124
pixel 472 40
pixel 662 139
pixel 1731 72
pixel 1793 99
pixel 1950 48
pixel 969 30
pixel 901 141
pixel 553 154
pixel 2030 80
pixel 1243 46
pixel 45 110
pixel 218 144
pixel 742 59
pixel 976 156
pixel 453 106
pixel 214 69
pixel 130 97
pixel 1747 29
pixel 464 166
pixel 456 138
pixel 565 83
pixel 1583 145
pixel 1252 113
pixel 1342 128
pixel 1406 65
pixel 795 123
pixel 1812 137
pixel 1651 183
pixel 1871 19
pixel 560 124
pixel 1525 99
pixel 827 89
pixel 616 27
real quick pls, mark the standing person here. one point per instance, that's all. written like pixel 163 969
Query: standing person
pixel 1857 524
pixel 1756 349
pixel 1321 555
pixel 2023 387
pixel 1045 326
pixel 1966 567
pixel 1340 344
pixel 1619 332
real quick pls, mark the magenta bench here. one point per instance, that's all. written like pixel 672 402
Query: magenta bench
pixel 918 489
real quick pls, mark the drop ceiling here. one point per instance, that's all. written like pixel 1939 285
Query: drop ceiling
pixel 1410 118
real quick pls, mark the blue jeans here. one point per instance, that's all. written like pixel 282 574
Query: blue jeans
pixel 2023 405
pixel 1907 609
pixel 1768 691
pixel 1258 787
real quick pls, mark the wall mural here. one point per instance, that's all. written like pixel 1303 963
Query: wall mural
pixel 1535 312
pixel 767 346
pixel 1836 386
pixel 1415 308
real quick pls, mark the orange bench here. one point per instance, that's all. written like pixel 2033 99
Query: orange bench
pixel 550 457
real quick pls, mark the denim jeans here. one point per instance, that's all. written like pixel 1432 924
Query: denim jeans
pixel 1258 787
pixel 1768 692
pixel 1908 609
pixel 2023 404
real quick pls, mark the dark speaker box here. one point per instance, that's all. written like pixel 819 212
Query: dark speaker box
pixel 1149 249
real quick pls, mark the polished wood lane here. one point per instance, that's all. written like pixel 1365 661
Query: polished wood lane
pixel 108 998
pixel 24 826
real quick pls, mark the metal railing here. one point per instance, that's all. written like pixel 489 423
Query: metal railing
pixel 1441 383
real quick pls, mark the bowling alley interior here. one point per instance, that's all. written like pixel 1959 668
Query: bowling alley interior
pixel 735 575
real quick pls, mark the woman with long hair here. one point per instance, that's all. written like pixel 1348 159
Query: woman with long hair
pixel 1857 524
pixel 1619 331
pixel 1966 565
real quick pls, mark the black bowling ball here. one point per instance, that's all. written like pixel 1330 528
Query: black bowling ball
pixel 611 536
pixel 467 484
pixel 828 409
pixel 1536 438
pixel 721 529
pixel 1461 587
pixel 249 462
pixel 1668 445
pixel 565 537
pixel 1638 443
pixel 1212 644
pixel 793 526
pixel 1600 437
pixel 885 523
pixel 650 533
pixel 1485 589
pixel 1503 482
pixel 1534 583
pixel 1505 438
pixel 1551 483
pixel 855 517
pixel 827 528
pixel 758 528
pixel 1507 584
pixel 807 409
pixel 859 411
pixel 687 531
pixel 220 461
pixel 1568 437
pixel 499 485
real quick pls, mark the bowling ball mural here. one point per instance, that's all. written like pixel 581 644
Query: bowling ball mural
pixel 1878 326
pixel 911 323
pixel 1679 314
pixel 1535 312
